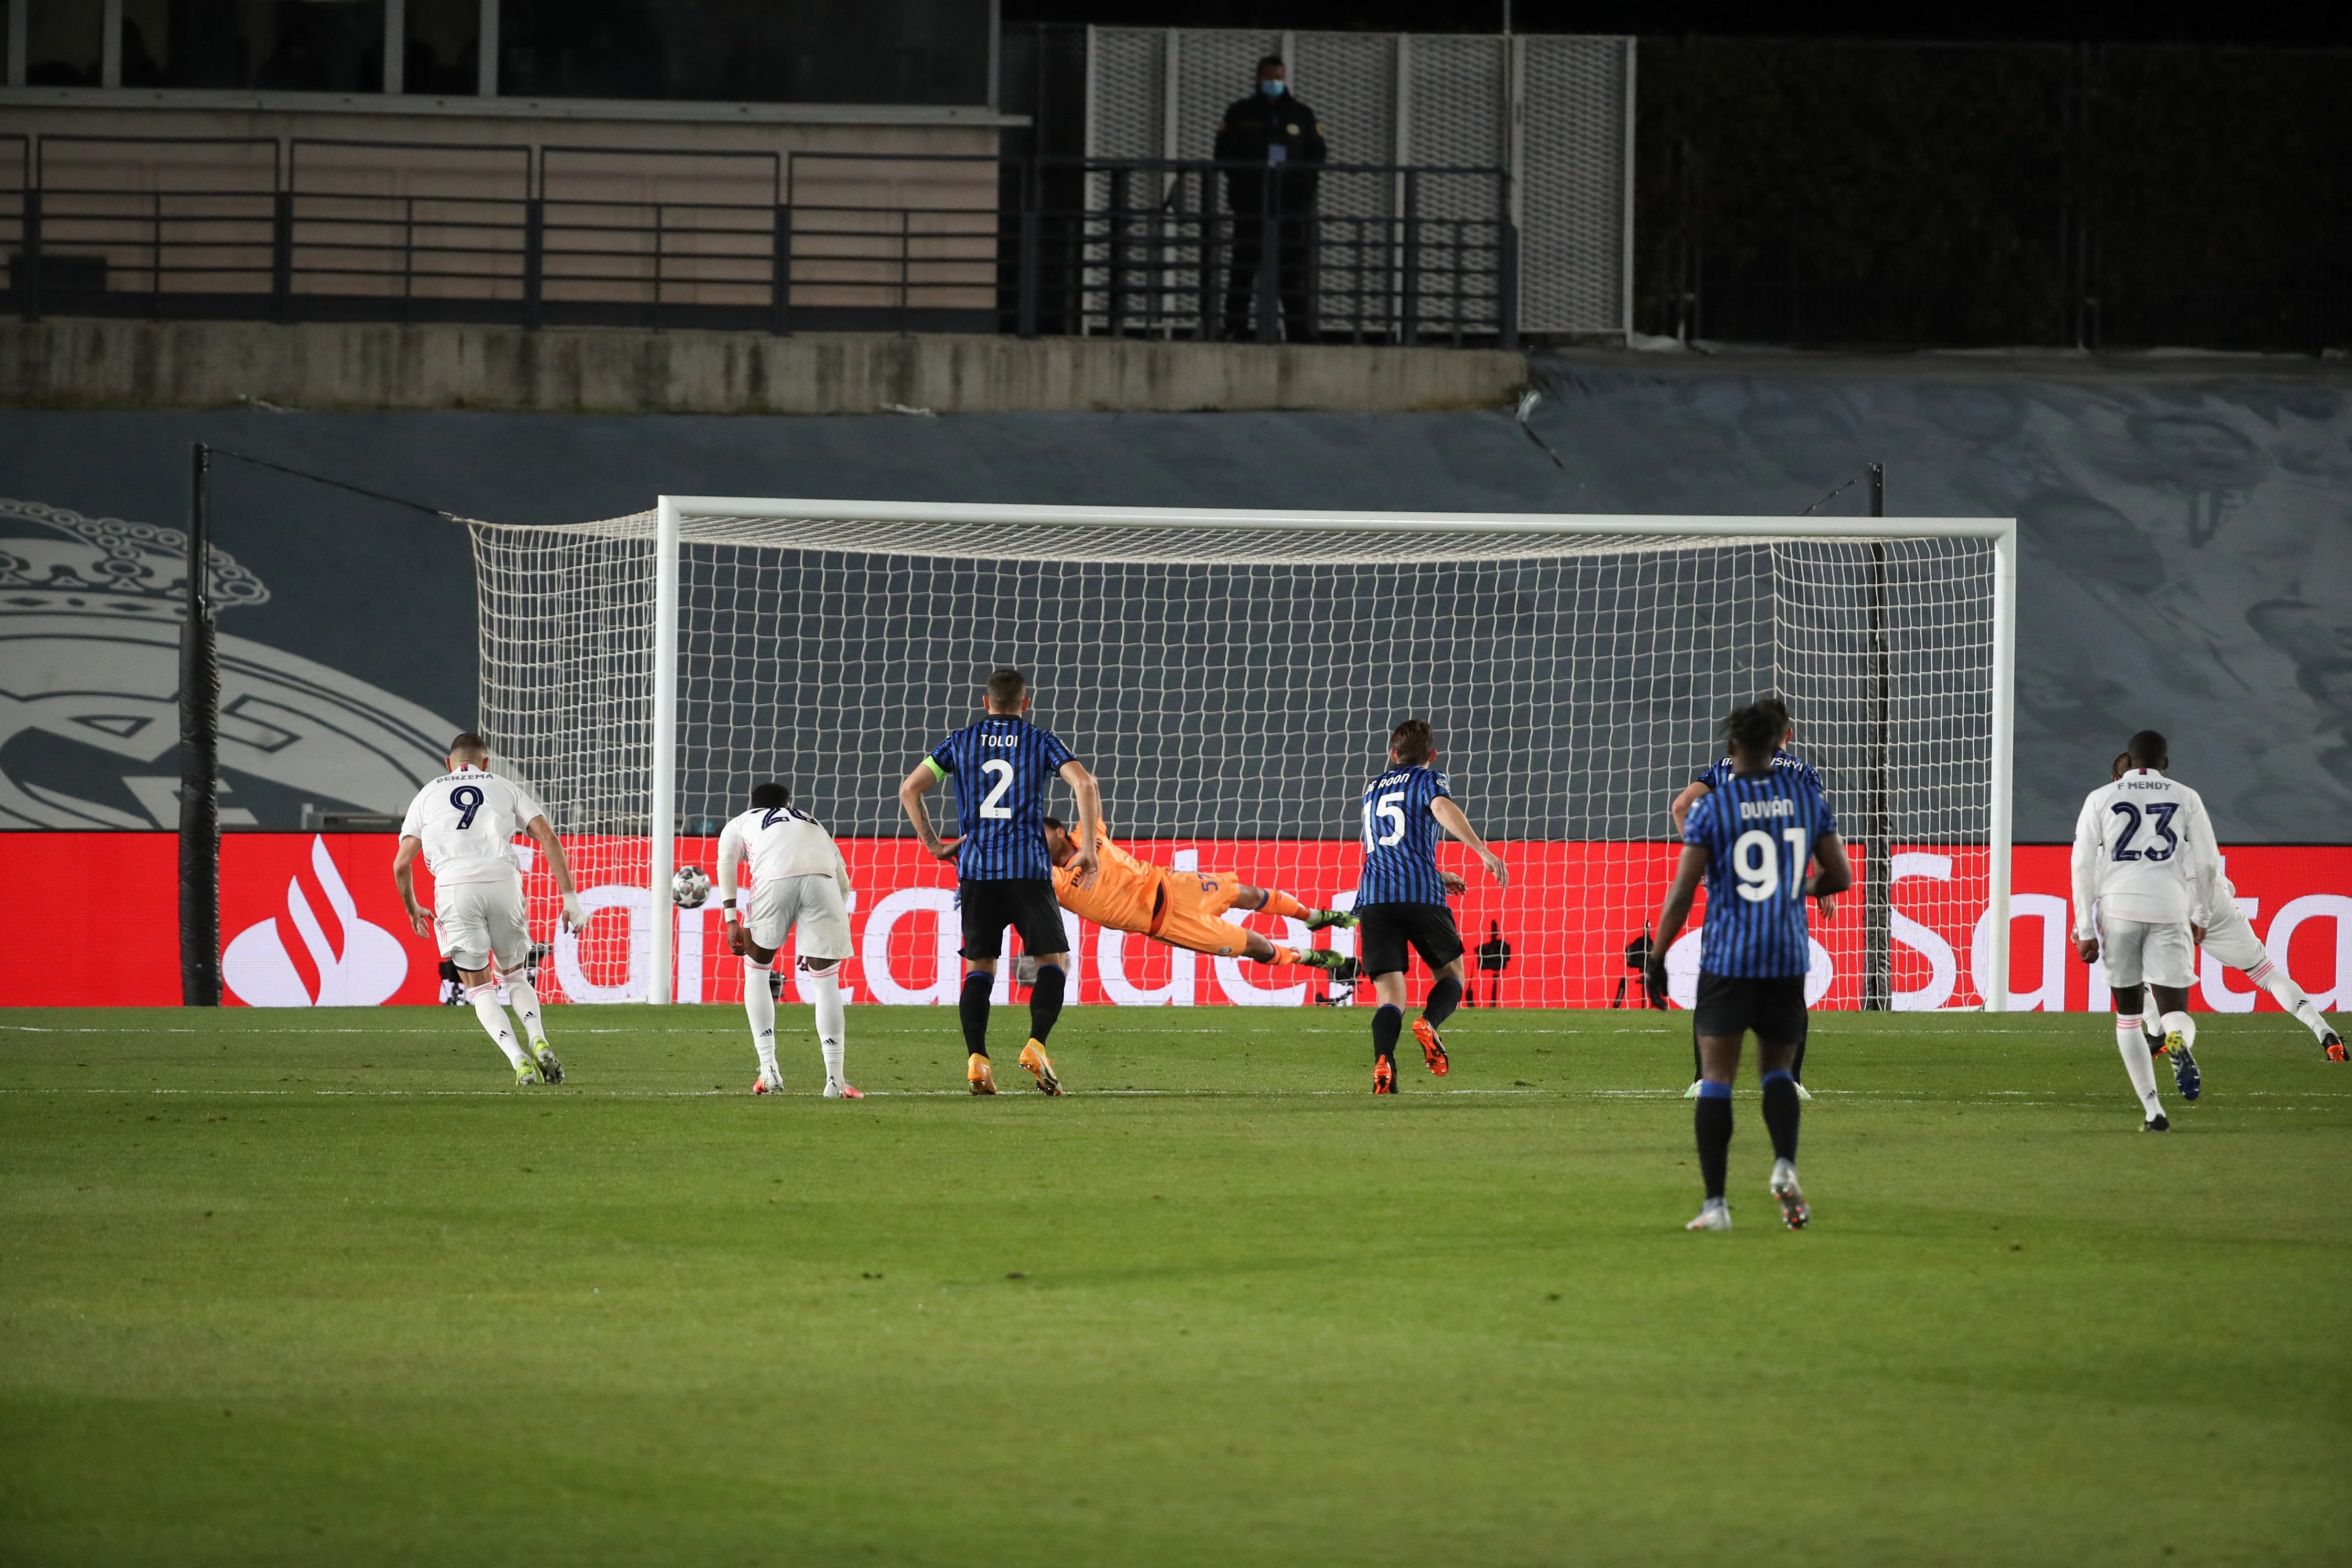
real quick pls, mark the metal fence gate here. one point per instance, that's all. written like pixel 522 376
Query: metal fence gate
pixel 1555 111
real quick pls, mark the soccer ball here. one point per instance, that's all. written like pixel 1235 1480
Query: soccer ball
pixel 688 887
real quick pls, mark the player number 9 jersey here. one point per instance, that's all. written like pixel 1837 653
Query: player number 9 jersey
pixel 464 821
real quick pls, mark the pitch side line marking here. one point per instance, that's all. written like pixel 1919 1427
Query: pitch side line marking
pixel 2313 1101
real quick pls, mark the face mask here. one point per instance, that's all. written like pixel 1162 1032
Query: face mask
pixel 1271 89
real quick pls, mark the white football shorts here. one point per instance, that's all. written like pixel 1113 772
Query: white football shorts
pixel 811 905
pixel 2234 942
pixel 477 922
pixel 2138 952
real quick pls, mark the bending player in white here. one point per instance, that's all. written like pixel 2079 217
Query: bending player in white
pixel 2144 859
pixel 463 822
pixel 2226 933
pixel 798 881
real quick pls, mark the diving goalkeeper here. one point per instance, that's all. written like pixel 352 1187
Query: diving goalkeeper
pixel 1182 909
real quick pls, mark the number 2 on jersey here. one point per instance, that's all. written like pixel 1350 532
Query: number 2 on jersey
pixel 468 800
pixel 1003 770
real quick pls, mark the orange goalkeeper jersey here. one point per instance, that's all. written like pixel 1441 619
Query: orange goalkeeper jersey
pixel 1125 890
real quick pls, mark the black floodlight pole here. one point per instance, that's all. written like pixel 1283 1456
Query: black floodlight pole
pixel 1878 887
pixel 200 972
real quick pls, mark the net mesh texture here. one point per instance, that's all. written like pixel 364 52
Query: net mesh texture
pixel 1233 687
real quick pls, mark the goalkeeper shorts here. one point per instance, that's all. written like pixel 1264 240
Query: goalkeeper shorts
pixel 1192 913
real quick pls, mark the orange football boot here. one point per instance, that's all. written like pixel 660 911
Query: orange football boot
pixel 1033 1057
pixel 1383 1075
pixel 1432 1050
pixel 976 1073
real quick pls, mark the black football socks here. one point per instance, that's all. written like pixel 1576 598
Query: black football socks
pixel 1443 997
pixel 1781 1110
pixel 1711 1118
pixel 1388 1023
pixel 973 1006
pixel 1045 1000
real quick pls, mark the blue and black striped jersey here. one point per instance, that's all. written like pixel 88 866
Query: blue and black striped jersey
pixel 1401 839
pixel 1716 772
pixel 1000 766
pixel 1759 833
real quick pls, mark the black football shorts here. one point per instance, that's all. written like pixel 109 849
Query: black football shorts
pixel 1732 1004
pixel 1024 903
pixel 1384 930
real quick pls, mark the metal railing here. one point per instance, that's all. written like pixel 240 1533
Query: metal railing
pixel 329 229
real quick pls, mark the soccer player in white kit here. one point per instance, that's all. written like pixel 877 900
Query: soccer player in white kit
pixel 463 822
pixel 799 882
pixel 2144 861
pixel 2226 933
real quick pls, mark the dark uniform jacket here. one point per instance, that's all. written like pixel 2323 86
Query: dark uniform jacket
pixel 1257 124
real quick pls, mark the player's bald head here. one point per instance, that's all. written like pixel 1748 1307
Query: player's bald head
pixel 2147 750
pixel 1006 689
pixel 469 748
pixel 770 797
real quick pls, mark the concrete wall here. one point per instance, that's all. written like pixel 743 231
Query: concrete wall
pixel 114 364
pixel 2186 530
pixel 427 198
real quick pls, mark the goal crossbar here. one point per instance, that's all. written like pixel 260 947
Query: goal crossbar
pixel 985 514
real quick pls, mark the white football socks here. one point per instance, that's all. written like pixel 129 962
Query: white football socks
pixel 760 1004
pixel 2151 1015
pixel 2293 998
pixel 2181 1024
pixel 493 1015
pixel 2138 1064
pixel 831 1026
pixel 523 997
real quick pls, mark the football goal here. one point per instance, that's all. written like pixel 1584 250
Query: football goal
pixel 1231 678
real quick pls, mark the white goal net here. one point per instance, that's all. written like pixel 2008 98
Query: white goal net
pixel 1231 678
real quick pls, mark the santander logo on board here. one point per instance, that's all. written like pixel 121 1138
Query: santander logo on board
pixel 336 959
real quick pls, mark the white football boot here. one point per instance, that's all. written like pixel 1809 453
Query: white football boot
pixel 1791 1198
pixel 1714 1215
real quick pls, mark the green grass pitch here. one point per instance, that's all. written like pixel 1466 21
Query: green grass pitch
pixel 321 1287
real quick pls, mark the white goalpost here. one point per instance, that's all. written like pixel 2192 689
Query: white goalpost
pixel 1231 677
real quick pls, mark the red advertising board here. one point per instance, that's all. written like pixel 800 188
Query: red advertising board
pixel 312 918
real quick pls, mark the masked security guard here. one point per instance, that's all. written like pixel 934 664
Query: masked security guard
pixel 1275 135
